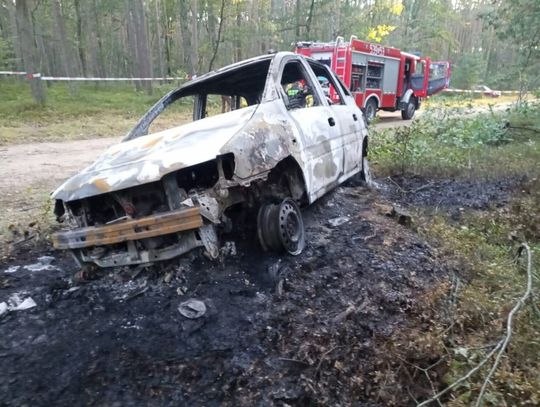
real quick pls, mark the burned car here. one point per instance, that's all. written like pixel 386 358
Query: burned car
pixel 279 144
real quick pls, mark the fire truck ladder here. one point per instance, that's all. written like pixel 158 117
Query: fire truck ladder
pixel 340 57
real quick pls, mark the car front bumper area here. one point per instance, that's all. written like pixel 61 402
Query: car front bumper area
pixel 116 244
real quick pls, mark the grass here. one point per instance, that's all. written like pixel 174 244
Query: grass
pixel 465 100
pixel 444 142
pixel 104 110
pixel 458 324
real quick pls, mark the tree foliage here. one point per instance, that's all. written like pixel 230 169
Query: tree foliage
pixel 486 42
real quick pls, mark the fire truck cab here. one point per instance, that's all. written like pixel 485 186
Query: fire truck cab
pixel 379 77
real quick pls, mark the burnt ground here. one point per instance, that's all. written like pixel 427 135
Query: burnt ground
pixel 451 196
pixel 299 330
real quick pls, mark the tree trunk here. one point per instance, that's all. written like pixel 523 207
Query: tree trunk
pixel 184 30
pixel 143 53
pixel 80 44
pixel 14 35
pixel 309 20
pixel 218 38
pixel 99 60
pixel 238 40
pixel 132 48
pixel 29 50
pixel 159 40
pixel 63 46
pixel 255 42
pixel 195 35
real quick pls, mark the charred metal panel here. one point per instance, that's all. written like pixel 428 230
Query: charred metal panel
pixel 266 140
pixel 161 224
pixel 149 158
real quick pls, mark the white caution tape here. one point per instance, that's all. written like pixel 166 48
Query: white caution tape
pixel 67 78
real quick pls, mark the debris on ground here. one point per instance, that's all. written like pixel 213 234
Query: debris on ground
pixel 338 221
pixel 12 269
pixel 192 309
pixel 16 302
pixel 228 249
pixel 132 289
pixel 3 308
pixel 43 264
pixel 402 216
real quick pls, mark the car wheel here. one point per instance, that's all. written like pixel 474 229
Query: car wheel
pixel 365 173
pixel 370 111
pixel 410 109
pixel 280 227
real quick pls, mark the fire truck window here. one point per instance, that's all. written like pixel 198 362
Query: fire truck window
pixel 298 87
pixel 420 68
pixel 358 77
pixel 374 76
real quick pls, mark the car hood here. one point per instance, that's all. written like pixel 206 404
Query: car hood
pixel 148 158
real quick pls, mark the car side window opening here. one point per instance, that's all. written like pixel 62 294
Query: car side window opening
pixel 230 90
pixel 298 87
pixel 331 88
pixel 218 104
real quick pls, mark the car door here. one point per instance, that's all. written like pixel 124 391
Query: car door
pixel 351 126
pixel 348 116
pixel 317 125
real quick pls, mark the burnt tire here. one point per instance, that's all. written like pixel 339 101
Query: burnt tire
pixel 365 173
pixel 280 227
pixel 370 110
pixel 410 109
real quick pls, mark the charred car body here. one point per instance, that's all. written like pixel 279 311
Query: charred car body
pixel 156 196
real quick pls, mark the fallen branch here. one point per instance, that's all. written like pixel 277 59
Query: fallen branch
pixel 421 188
pixel 425 370
pixel 509 321
pixel 501 345
pixel 462 379
pixel 524 128
pixel 397 185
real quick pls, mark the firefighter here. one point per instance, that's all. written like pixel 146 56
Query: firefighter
pixel 293 89
pixel 295 93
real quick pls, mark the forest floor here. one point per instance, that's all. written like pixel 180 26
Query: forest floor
pixel 278 330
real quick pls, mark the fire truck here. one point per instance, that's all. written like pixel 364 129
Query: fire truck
pixel 379 77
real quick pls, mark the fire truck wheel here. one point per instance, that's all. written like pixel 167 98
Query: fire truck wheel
pixel 408 112
pixel 370 110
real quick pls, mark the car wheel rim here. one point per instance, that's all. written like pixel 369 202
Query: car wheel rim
pixel 280 227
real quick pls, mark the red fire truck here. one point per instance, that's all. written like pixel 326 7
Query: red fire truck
pixel 380 77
